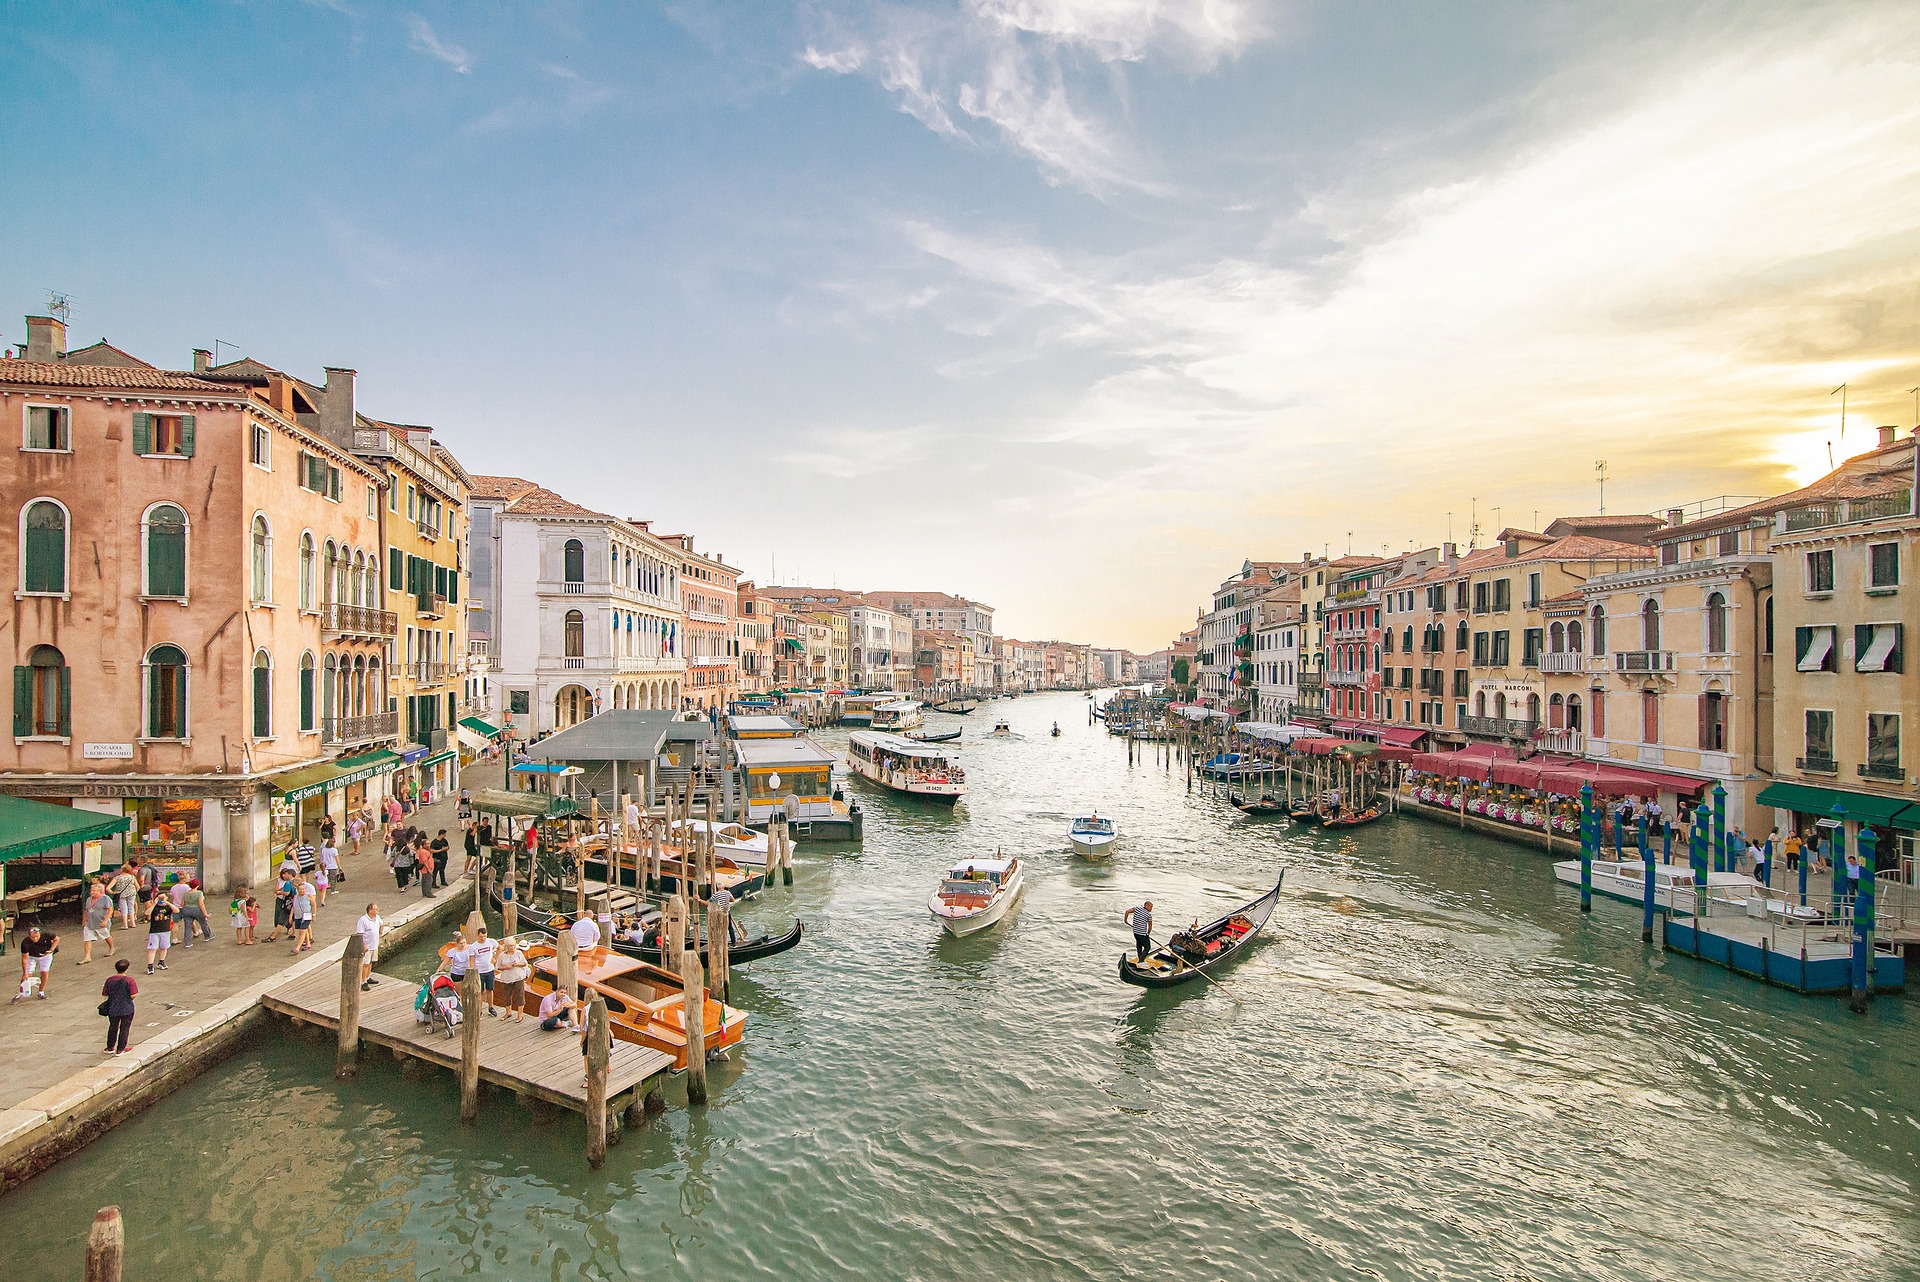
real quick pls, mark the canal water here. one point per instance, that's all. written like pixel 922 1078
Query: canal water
pixel 1430 1067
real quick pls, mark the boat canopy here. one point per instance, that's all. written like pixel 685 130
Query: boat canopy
pixel 995 868
pixel 762 726
pixel 902 706
pixel 761 754
pixel 1273 732
pixel 898 746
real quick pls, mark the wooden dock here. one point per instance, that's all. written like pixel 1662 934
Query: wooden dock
pixel 545 1066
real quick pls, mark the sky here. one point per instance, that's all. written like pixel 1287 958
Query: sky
pixel 1068 306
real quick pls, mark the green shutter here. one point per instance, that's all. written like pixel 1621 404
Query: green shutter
pixel 453 587
pixel 22 701
pixel 262 702
pixel 142 433
pixel 66 700
pixel 166 561
pixel 306 698
pixel 333 482
pixel 393 569
pixel 186 435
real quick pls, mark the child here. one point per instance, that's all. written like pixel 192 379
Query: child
pixel 356 828
pixel 253 919
pixel 237 913
pixel 320 882
pixel 330 866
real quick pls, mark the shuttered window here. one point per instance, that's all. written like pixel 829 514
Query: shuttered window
pixel 306 692
pixel 163 435
pixel 394 562
pixel 167 551
pixel 46 548
pixel 43 695
pixel 167 693
pixel 262 696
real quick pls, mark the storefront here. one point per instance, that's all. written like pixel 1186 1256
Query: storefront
pixel 477 739
pixel 1816 813
pixel 302 798
pixel 166 833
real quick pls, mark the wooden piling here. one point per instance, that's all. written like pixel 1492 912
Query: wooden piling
pixel 674 934
pixel 346 1056
pixel 510 898
pixel 694 1009
pixel 719 936
pixel 599 1053
pixel 106 1246
pixel 470 1016
pixel 566 964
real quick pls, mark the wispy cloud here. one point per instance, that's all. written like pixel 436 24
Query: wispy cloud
pixel 1013 67
pixel 425 41
pixel 566 98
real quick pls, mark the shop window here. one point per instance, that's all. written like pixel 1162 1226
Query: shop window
pixel 43 695
pixel 166 539
pixel 166 834
pixel 43 548
pixel 166 693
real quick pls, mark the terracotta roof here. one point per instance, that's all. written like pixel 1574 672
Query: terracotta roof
pixel 500 487
pixel 1880 471
pixel 105 353
pixel 37 374
pixel 540 501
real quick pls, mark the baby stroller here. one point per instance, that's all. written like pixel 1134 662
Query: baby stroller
pixel 443 1004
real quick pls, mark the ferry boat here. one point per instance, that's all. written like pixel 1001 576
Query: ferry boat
pixel 1092 836
pixel 917 769
pixel 1626 879
pixel 976 893
pixel 857 709
pixel 645 1003
pixel 896 716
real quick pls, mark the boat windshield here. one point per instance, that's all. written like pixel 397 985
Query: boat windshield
pixel 959 888
pixel 1085 824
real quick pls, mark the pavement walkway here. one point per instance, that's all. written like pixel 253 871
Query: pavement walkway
pixel 43 1043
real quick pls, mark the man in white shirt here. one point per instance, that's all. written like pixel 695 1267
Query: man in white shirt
pixel 480 957
pixel 631 835
pixel 369 928
pixel 586 932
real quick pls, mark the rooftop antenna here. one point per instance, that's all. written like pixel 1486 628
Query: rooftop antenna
pixel 1841 392
pixel 1473 525
pixel 1600 470
pixel 59 306
pixel 1916 407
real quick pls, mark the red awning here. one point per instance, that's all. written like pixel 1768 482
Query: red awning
pixel 1347 727
pixel 1519 774
pixel 1322 747
pixel 1405 736
pixel 1395 752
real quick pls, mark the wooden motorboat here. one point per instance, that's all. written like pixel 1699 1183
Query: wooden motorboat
pixel 976 893
pixel 645 1003
pixel 1263 805
pixel 1192 953
pixel 731 840
pixel 739 881
pixel 1349 818
pixel 1001 730
pixel 1092 836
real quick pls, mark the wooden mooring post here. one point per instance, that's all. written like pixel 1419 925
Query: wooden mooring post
pixel 694 994
pixel 719 937
pixel 106 1246
pixel 346 1055
pixel 599 1053
pixel 510 897
pixel 566 964
pixel 470 1016
pixel 674 934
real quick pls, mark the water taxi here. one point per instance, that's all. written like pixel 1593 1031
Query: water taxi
pixel 645 1003
pixel 894 717
pixel 976 894
pixel 857 709
pixel 917 769
pixel 1001 730
pixel 1092 836
pixel 740 844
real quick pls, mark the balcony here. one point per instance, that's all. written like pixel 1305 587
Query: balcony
pixel 1499 727
pixel 1634 661
pixel 339 620
pixel 430 605
pixel 1565 661
pixel 1815 516
pixel 1346 678
pixel 1885 774
pixel 338 732
pixel 1571 742
pixel 1816 765
pixel 426 673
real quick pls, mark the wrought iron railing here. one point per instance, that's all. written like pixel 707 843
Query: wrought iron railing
pixel 335 731
pixel 357 620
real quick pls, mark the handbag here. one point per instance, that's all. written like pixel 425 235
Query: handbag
pixel 103 1006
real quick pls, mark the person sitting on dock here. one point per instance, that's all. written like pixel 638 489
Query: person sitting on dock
pixel 556 1012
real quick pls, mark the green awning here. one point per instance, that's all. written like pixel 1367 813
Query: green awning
pixel 367 764
pixel 480 727
pixel 307 781
pixel 33 827
pixel 1860 807
pixel 445 754
pixel 524 805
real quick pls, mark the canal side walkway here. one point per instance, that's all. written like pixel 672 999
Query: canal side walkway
pixel 59 1090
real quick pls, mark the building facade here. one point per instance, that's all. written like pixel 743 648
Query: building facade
pixel 708 593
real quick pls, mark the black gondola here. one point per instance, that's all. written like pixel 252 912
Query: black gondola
pixel 1267 805
pixel 1192 953
pixel 1305 812
pixel 922 736
pixel 745 950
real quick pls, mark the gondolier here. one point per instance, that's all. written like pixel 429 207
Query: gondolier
pixel 1141 919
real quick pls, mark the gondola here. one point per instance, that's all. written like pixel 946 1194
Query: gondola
pixel 1267 805
pixel 1304 812
pixel 745 950
pixel 922 736
pixel 1192 953
pixel 1351 818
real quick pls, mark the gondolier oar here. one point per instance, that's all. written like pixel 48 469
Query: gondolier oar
pixel 1196 970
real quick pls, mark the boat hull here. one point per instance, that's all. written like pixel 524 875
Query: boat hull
pixel 1091 846
pixel 1157 974
pixel 1626 882
pixel 973 923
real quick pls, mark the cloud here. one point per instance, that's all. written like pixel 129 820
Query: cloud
pixel 1015 67
pixel 425 41
pixel 570 101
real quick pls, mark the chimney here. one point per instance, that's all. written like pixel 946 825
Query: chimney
pixel 1887 434
pixel 46 339
pixel 336 407
pixel 1676 516
pixel 202 360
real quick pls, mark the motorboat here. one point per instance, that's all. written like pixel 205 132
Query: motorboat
pixel 734 841
pixel 1092 836
pixel 976 893
pixel 1626 879
pixel 1001 730
pixel 1056 729
pixel 897 717
pixel 917 769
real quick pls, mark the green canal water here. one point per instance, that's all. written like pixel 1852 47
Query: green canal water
pixel 1430 1067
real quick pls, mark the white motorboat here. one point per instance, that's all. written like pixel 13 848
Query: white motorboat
pixel 739 843
pixel 1001 730
pixel 1626 879
pixel 917 769
pixel 976 894
pixel 1092 836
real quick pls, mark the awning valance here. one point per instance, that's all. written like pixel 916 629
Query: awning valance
pixel 481 727
pixel 523 805
pixel 29 827
pixel 445 754
pixel 1861 807
pixel 307 781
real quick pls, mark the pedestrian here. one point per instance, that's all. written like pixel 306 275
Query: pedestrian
pixel 510 978
pixel 326 830
pixel 330 864
pixel 159 931
pixel 480 954
pixel 119 991
pixel 368 928
pixel 282 905
pixel 630 831
pixel 1793 851
pixel 237 914
pixel 486 835
pixel 36 962
pixel 302 909
pixel 586 932
pixel 464 810
pixel 1759 857
pixel 1853 879
pixel 442 856
pixel 125 890
pixel 400 859
pixel 320 883
pixel 472 837
pixel 1141 919
pixel 177 892
pixel 356 829
pixel 96 921
pixel 459 957
pixel 193 912
pixel 423 857
pixel 253 920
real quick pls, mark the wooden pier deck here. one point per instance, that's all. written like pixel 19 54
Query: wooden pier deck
pixel 517 1057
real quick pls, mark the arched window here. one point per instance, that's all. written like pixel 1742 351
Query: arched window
pixel 342 568
pixel 306 570
pixel 358 584
pixel 43 547
pixel 1716 624
pixel 576 634
pixel 575 557
pixel 1557 640
pixel 166 692
pixel 1599 626
pixel 43 695
pixel 376 692
pixel 357 705
pixel 306 691
pixel 1386 640
pixel 1557 712
pixel 1500 706
pixel 1650 626
pixel 1533 709
pixel 1406 639
pixel 1573 712
pixel 1573 637
pixel 262 560
pixel 262 692
pixel 1460 637
pixel 1480 703
pixel 166 540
